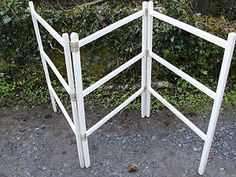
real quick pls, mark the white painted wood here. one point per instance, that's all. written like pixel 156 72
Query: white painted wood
pixel 70 76
pixel 228 54
pixel 56 72
pixel 75 86
pixel 200 33
pixel 149 59
pixel 113 113
pixel 47 27
pixel 144 58
pixel 40 45
pixel 80 121
pixel 185 76
pixel 63 110
pixel 178 114
pixel 68 61
pixel 111 75
pixel 110 28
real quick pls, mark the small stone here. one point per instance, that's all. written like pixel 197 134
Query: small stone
pixel 167 123
pixel 182 129
pixel 48 116
pixel 226 154
pixel 1 105
pixel 153 138
pixel 132 167
pixel 210 157
pixel 43 126
pixel 224 144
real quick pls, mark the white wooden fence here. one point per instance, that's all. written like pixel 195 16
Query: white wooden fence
pixel 75 89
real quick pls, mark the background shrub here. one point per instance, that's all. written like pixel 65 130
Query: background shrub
pixel 20 67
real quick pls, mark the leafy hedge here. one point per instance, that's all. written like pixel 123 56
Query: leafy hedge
pixel 20 67
pixel 216 7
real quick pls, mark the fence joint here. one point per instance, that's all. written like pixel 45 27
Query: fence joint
pixel 73 97
pixel 147 52
pixel 146 11
pixel 83 137
pixel 74 46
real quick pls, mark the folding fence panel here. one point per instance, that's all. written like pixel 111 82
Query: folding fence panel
pixel 74 87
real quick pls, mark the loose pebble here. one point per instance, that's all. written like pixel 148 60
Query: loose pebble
pixel 132 167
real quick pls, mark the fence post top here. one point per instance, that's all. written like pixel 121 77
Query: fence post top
pixel 144 2
pixel 150 3
pixel 74 37
pixel 65 35
pixel 31 4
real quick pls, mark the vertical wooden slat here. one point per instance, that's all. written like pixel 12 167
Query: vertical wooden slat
pixel 80 120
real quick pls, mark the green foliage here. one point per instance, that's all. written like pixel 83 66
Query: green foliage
pixel 17 37
pixel 216 7
pixel 21 70
pixel 6 89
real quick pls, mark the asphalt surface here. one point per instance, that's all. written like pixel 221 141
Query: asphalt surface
pixel 38 142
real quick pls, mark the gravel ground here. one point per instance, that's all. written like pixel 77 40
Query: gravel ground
pixel 38 142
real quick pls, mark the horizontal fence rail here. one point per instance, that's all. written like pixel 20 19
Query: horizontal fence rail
pixel 200 33
pixel 178 114
pixel 114 112
pixel 185 76
pixel 110 28
pixel 55 70
pixel 57 36
pixel 112 74
pixel 62 108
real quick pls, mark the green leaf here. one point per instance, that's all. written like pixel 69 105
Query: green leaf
pixel 203 72
pixel 6 19
pixel 166 52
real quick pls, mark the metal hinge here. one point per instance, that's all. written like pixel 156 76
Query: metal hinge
pixel 147 52
pixel 83 137
pixel 73 97
pixel 74 47
pixel 146 11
